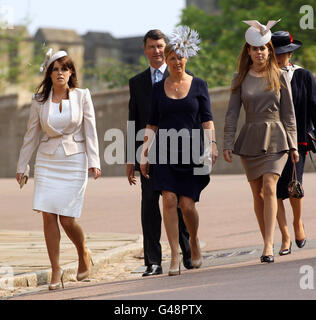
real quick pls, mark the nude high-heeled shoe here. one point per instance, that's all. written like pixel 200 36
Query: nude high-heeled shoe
pixel 196 263
pixel 55 286
pixel 83 275
pixel 177 271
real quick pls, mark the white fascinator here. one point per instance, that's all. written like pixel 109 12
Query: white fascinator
pixel 50 57
pixel 185 41
pixel 258 34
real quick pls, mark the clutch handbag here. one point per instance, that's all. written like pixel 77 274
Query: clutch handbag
pixel 25 177
pixel 295 188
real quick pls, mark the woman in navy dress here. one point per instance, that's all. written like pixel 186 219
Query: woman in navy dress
pixel 180 107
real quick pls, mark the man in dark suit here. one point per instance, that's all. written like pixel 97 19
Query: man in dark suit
pixel 140 97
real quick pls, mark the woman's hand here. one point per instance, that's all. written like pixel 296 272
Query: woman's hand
pixel 144 169
pixel 19 177
pixel 295 157
pixel 95 172
pixel 214 153
pixel 130 173
pixel 228 155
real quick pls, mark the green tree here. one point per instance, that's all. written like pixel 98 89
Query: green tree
pixel 223 34
pixel 19 64
pixel 111 73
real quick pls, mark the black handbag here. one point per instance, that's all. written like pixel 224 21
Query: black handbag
pixel 295 188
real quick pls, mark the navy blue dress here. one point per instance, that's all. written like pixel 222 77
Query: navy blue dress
pixel 174 164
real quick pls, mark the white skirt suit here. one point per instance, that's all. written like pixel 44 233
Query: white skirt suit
pixel 67 149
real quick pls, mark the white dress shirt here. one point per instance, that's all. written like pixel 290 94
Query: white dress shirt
pixel 161 69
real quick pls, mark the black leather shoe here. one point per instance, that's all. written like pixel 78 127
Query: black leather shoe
pixel 187 263
pixel 286 251
pixel 300 243
pixel 267 259
pixel 153 270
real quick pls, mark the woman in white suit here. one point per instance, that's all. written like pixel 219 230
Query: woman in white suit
pixel 67 150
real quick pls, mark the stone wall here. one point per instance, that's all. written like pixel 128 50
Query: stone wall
pixel 111 112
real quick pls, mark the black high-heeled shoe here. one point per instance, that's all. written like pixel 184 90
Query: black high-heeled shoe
pixel 267 259
pixel 300 243
pixel 286 251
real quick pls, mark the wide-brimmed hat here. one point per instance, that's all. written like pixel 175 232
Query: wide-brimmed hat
pixel 258 34
pixel 283 42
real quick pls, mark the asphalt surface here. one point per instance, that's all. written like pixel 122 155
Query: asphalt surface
pixel 229 232
pixel 290 279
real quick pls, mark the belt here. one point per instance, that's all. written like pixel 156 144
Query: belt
pixel 262 116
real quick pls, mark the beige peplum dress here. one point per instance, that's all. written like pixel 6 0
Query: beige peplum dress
pixel 270 128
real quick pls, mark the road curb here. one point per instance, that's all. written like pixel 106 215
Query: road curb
pixel 42 277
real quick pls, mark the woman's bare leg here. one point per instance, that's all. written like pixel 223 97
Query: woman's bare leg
pixel 270 210
pixel 191 220
pixel 52 239
pixel 297 207
pixel 281 217
pixel 76 235
pixel 257 193
pixel 170 219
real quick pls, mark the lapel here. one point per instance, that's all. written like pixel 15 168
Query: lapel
pixel 147 82
pixel 45 109
pixel 72 103
pixel 147 86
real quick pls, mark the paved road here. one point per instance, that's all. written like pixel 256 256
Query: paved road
pixel 111 205
pixel 286 280
pixel 228 228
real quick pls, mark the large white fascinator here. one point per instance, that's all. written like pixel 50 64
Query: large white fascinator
pixel 185 41
pixel 50 57
pixel 258 34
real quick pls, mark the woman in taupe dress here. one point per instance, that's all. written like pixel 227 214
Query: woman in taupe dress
pixel 269 134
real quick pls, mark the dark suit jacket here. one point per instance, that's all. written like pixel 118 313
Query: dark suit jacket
pixel 304 98
pixel 140 87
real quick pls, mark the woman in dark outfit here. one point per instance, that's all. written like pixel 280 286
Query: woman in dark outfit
pixel 180 102
pixel 304 99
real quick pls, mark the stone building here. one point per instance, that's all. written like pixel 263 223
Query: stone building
pixel 101 48
pixel 99 45
pixel 89 50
